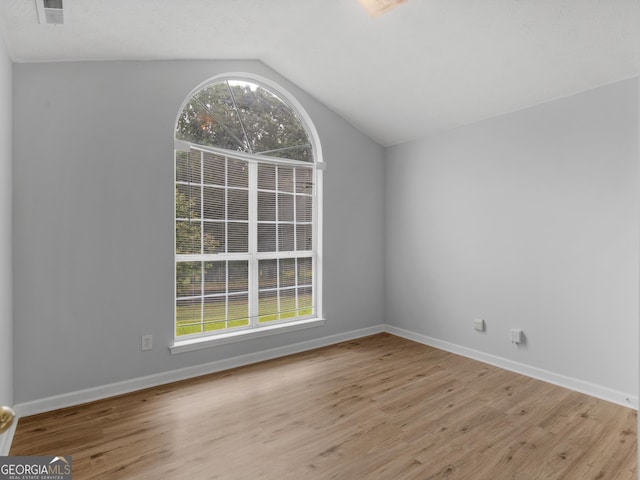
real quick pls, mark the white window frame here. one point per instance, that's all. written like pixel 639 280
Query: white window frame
pixel 185 343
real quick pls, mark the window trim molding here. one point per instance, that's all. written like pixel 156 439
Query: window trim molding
pixel 181 344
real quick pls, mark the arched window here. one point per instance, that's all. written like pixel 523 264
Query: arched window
pixel 246 212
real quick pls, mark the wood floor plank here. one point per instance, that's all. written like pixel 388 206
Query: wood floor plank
pixel 378 408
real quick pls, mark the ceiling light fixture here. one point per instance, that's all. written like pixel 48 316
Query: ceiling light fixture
pixel 50 12
pixel 378 7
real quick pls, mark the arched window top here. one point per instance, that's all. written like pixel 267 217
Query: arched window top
pixel 244 116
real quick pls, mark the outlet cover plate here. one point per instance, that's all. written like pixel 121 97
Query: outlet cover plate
pixel 516 335
pixel 147 342
pixel 478 324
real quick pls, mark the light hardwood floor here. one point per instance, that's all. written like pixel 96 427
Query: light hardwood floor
pixel 380 407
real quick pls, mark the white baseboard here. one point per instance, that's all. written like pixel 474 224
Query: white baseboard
pixel 97 393
pixel 598 391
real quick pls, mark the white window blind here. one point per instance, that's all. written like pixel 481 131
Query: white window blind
pixel 222 204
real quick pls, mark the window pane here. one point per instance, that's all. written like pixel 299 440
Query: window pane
pixel 214 237
pixel 287 272
pixel 204 123
pixel 238 276
pixel 188 279
pixel 188 167
pixel 188 237
pixel 285 238
pixel 268 306
pixel 267 274
pixel 304 238
pixel 188 316
pixel 215 313
pixel 195 158
pixel 219 119
pixel 304 180
pixel 266 207
pixel 266 177
pixel 285 207
pixel 214 169
pixel 305 301
pixel 305 271
pixel 215 278
pixel 238 237
pixel 269 122
pixel 214 203
pixel 188 202
pixel 182 169
pixel 288 303
pixel 238 173
pixel 285 179
pixel 238 311
pixel 266 237
pixel 304 208
pixel 238 208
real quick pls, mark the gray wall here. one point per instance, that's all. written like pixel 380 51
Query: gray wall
pixel 6 313
pixel 528 220
pixel 93 227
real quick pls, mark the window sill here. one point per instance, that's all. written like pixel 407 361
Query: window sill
pixel 181 346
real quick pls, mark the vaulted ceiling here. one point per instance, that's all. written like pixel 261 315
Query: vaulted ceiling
pixel 425 66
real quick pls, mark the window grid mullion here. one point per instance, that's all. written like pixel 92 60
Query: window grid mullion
pixel 226 294
pixel 226 204
pixel 278 308
pixel 295 211
pixel 277 245
pixel 277 249
pixel 295 238
pixel 253 244
pixel 296 306
pixel 202 264
pixel 226 241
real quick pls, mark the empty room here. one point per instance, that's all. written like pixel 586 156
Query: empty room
pixel 319 239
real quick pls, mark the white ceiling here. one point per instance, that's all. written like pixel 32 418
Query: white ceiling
pixel 427 65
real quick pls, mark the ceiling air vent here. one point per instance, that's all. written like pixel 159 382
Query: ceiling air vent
pixel 50 12
pixel 378 7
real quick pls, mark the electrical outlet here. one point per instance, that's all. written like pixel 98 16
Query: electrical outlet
pixel 516 335
pixel 147 342
pixel 478 324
